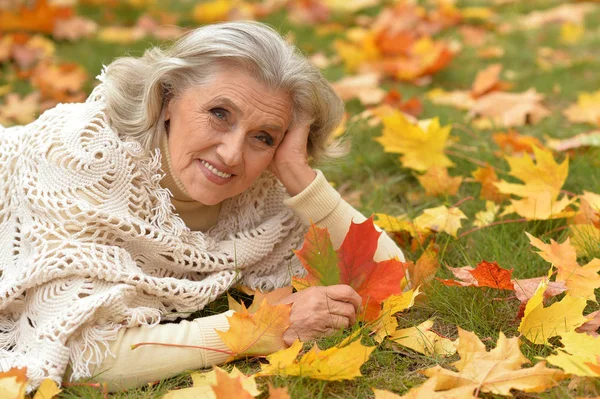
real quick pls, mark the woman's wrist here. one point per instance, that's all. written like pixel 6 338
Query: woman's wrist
pixel 296 179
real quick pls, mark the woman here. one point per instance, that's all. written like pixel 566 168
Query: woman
pixel 184 172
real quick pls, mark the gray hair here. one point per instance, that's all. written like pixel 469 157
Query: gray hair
pixel 138 89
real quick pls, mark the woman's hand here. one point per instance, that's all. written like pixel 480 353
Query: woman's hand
pixel 290 163
pixel 320 311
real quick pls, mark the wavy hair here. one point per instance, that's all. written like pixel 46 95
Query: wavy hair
pixel 137 90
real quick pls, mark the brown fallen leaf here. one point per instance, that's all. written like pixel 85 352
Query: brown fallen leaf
pixel 74 28
pixel 503 109
pixel 592 325
pixel 588 139
pixel 365 87
pixel 488 80
pixel 424 270
pixel 512 142
pixel 19 110
pixel 60 82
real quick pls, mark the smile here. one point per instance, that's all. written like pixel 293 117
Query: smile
pixel 215 171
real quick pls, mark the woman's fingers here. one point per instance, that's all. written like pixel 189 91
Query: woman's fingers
pixel 344 293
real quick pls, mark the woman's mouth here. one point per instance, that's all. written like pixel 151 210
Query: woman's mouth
pixel 213 174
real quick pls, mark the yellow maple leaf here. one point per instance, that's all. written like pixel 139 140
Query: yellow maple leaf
pixel 541 207
pixel 398 224
pixel 427 390
pixel 545 175
pixel 437 182
pixel 497 371
pixel 359 50
pixel 258 333
pixel 421 145
pixel 587 109
pixel 487 177
pixel 421 339
pixel 47 390
pixel 578 350
pixel 441 218
pixel 204 384
pixel 272 298
pixel 212 11
pixel 540 324
pixel 386 322
pixel 580 280
pixel 333 364
pixel 13 383
pixel 487 216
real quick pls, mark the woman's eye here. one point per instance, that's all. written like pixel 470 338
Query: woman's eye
pixel 266 138
pixel 219 113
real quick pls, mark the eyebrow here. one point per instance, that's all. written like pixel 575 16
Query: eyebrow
pixel 227 102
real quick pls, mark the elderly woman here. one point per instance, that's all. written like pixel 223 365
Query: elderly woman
pixel 184 172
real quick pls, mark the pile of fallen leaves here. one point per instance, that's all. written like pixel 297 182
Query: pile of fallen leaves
pixel 382 47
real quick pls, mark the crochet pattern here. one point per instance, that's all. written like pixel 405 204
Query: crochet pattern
pixel 89 242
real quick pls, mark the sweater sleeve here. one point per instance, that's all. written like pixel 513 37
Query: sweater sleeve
pixel 323 205
pixel 127 368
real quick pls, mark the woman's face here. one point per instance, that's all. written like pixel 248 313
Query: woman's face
pixel 223 135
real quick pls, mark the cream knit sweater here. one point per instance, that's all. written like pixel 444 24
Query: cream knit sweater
pixel 93 254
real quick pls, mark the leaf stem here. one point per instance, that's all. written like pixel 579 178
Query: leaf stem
pixel 181 346
pixel 521 220
pixel 469 198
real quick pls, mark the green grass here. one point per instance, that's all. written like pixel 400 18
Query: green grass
pixel 374 181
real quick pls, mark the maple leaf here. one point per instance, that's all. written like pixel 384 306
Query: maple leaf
pixel 487 177
pixel 497 371
pixel 422 145
pixel 217 383
pixel 422 273
pixel 540 324
pixel 278 393
pixel 412 106
pixel 351 264
pixel 212 11
pixel 542 184
pixel 588 139
pixel 365 87
pixel 421 339
pixel 460 99
pixel 592 325
pixel 513 142
pixel 19 110
pixel 333 364
pixel 47 390
pixel 526 288
pixel 273 298
pixel 426 57
pixel 39 16
pixel 581 280
pixel 427 390
pixel 508 109
pixel 587 109
pixel 437 182
pixel 486 274
pixel 74 28
pixel 487 216
pixel 488 80
pixel 386 322
pixel 577 352
pixel 61 82
pixel 441 218
pixel 13 383
pixel 259 333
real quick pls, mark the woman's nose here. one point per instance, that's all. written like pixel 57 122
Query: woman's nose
pixel 231 148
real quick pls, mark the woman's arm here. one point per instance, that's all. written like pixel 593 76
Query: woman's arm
pixel 323 205
pixel 133 368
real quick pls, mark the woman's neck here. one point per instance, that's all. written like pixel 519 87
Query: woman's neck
pixel 196 216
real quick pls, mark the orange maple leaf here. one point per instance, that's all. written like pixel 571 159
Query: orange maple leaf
pixel 486 274
pixel 351 264
pixel 487 177
pixel 37 16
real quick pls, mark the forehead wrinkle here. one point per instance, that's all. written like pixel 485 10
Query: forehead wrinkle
pixel 261 99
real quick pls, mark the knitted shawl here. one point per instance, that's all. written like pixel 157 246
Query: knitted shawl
pixel 90 243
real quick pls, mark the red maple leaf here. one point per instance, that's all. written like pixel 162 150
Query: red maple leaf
pixel 486 274
pixel 351 264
